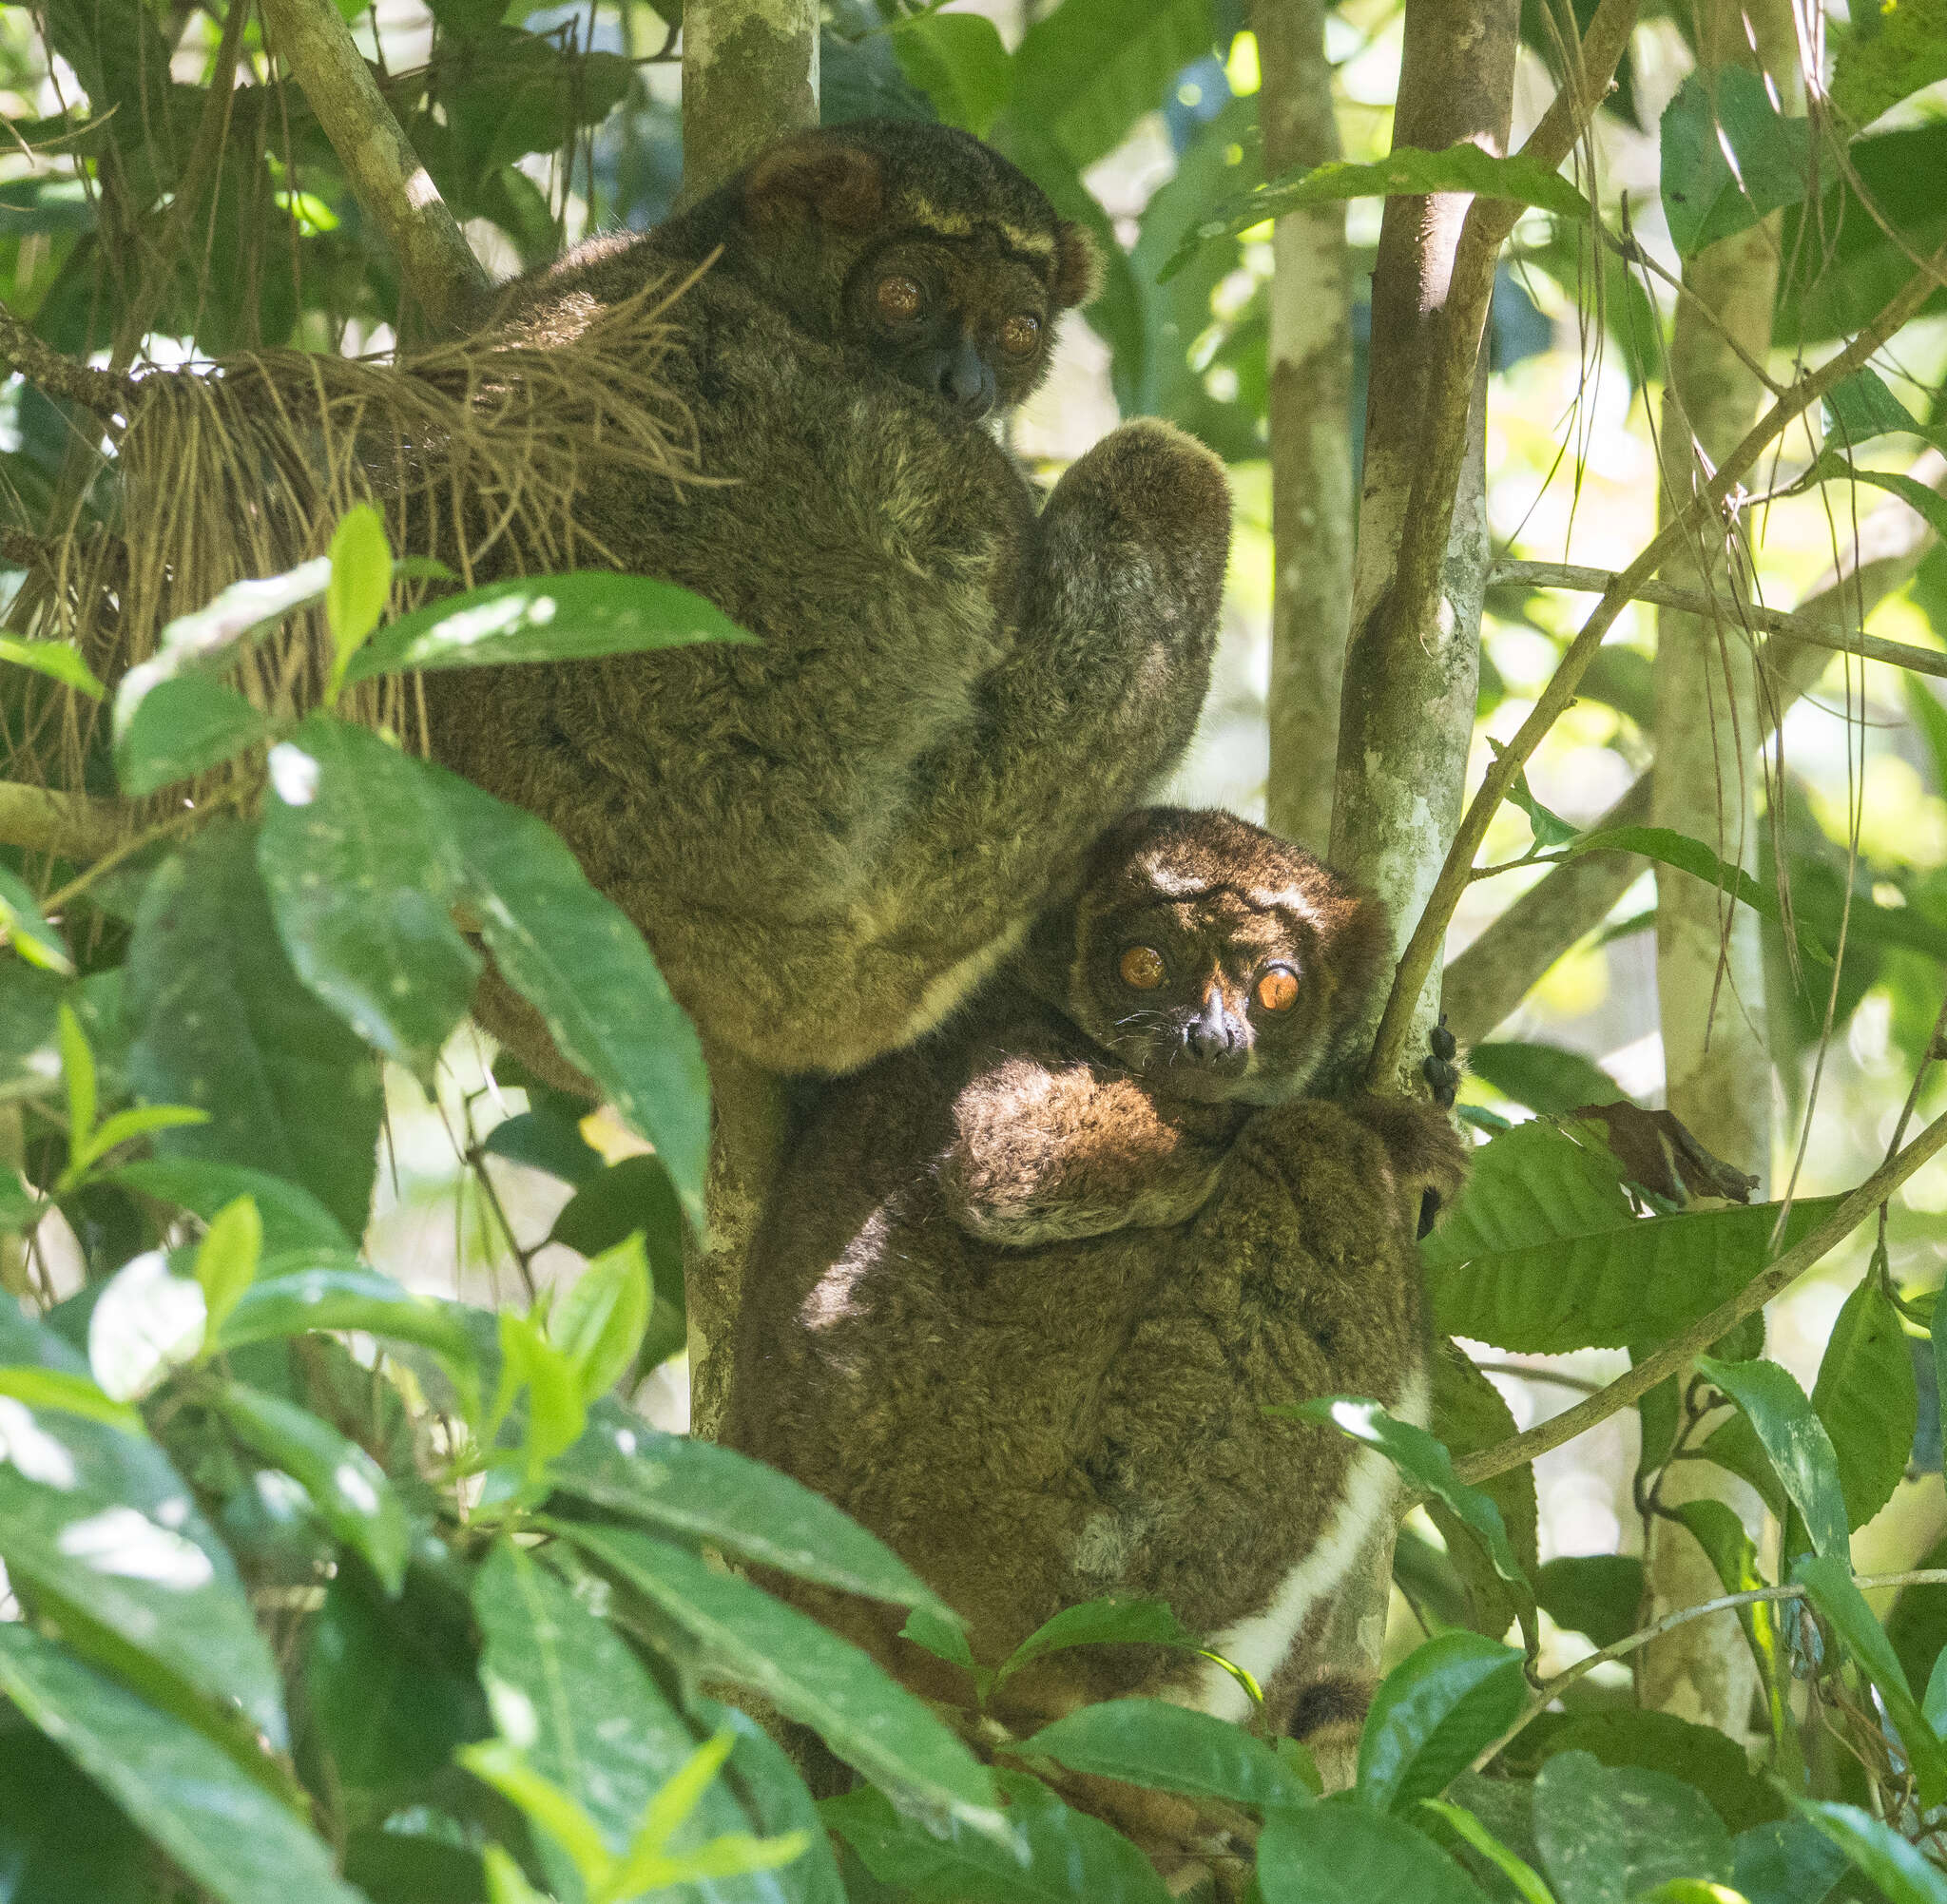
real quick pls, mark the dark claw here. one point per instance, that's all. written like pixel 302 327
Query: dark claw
pixel 1445 1047
pixel 1443 1079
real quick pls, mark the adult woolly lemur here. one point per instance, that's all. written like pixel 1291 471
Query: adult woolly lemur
pixel 1021 1292
pixel 828 838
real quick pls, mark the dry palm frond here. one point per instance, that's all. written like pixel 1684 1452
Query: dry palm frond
pixel 476 451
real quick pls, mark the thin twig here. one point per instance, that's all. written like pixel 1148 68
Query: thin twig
pixel 229 796
pixel 1718 609
pixel 1556 1376
pixel 1431 932
pixel 1680 1351
pixel 1922 1576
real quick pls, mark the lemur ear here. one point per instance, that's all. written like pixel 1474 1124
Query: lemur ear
pixel 1077 267
pixel 813 175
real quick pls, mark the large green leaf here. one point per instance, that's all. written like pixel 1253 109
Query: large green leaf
pixel 1710 1761
pixel 224 1831
pixel 1346 1853
pixel 1905 51
pixel 181 727
pixel 1050 1854
pixel 957 60
pixel 1795 1441
pixel 777 1802
pixel 544 618
pixel 61 1839
pixel 1789 1862
pixel 293 1218
pixel 99 1520
pixel 1596 1594
pixel 1866 1397
pixel 366 852
pixel 1898 1866
pixel 221 1022
pixel 1545 1077
pixel 1703 197
pixel 1169 1748
pixel 808 1674
pixel 1433 1713
pixel 1608 1834
pixel 570 1696
pixel 1541 1252
pixel 1715 1527
pixel 671 1484
pixel 1091 68
pixel 293 1297
pixel 1467 1415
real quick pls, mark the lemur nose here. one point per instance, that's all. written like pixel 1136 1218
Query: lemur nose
pixel 1210 1037
pixel 965 383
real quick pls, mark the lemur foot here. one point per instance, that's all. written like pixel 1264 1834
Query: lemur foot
pixel 1440 1072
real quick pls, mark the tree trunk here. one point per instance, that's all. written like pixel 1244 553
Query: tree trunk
pixel 749 76
pixel 1709 964
pixel 1411 669
pixel 1310 428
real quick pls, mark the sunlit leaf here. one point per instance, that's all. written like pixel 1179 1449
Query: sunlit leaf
pixel 149 1322
pixel 1608 1833
pixel 1446 1702
pixel 71 1393
pixel 1708 195
pixel 59 660
pixel 361 579
pixel 599 1323
pixel 1795 1439
pixel 1169 1748
pixel 29 935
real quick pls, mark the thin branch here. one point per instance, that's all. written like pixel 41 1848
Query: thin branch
pixel 1558 1377
pixel 71 825
pixel 1725 1602
pixel 132 843
pixel 1816 634
pixel 1680 1351
pixel 393 187
pixel 103 395
pixel 1423 948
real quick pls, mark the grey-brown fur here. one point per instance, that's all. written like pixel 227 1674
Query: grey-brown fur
pixel 830 837
pixel 1021 1292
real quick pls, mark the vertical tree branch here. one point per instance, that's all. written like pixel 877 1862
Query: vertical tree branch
pixel 749 74
pixel 1310 428
pixel 1709 960
pixel 395 191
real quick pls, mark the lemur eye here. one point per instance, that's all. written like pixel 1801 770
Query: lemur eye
pixel 1142 967
pixel 898 300
pixel 1278 989
pixel 1019 334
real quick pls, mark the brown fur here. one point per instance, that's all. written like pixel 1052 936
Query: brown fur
pixel 1021 1292
pixel 830 837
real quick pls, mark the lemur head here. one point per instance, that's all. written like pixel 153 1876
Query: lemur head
pixel 913 244
pixel 1212 958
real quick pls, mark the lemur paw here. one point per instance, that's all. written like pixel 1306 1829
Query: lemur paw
pixel 1440 1070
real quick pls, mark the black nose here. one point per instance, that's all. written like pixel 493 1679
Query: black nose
pixel 1210 1037
pixel 966 382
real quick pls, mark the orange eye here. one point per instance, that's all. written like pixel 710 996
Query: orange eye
pixel 1142 969
pixel 1019 334
pixel 899 300
pixel 1278 990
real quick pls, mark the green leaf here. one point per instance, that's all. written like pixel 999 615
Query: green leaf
pixel 1545 1077
pixel 1342 1853
pixel 1517 1870
pixel 1789 1862
pixel 70 1394
pixel 1934 1705
pixel 1550 829
pixel 62 1840
pixel 289 1299
pixel 572 1699
pixel 221 1829
pixel 1795 1439
pixel 1900 1869
pixel 1469 1415
pixel 29 935
pixel 1859 406
pixel 1670 848
pixel 181 727
pixel 1596 1594
pixel 1439 1707
pixel 1703 197
pixel 293 1219
pixel 1049 1853
pixel 149 1322
pixel 1168 1748
pixel 752 1640
pixel 1710 1760
pixel 20 1208
pixel 957 60
pixel 349 1489
pixel 1717 1530
pixel 1907 52
pixel 556 1411
pixel 635 1197
pixel 1929 503
pixel 943 1641
pixel 550 1140
pixel 1407 169
pixel 1542 1253
pixel 546 618
pixel 1087 71
pixel 1828 1582
pixel 97 1521
pixel 78 1074
pixel 60 660
pixel 366 851
pixel 1425 1463
pixel 142 1120
pixel 360 582
pixel 701 1491
pixel 221 1022
pixel 1608 1833
pixel 1866 1397
pixel 777 1800
pixel 226 1259
pixel 599 1324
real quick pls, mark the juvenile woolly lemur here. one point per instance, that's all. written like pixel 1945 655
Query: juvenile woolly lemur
pixel 1021 1293
pixel 829 837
